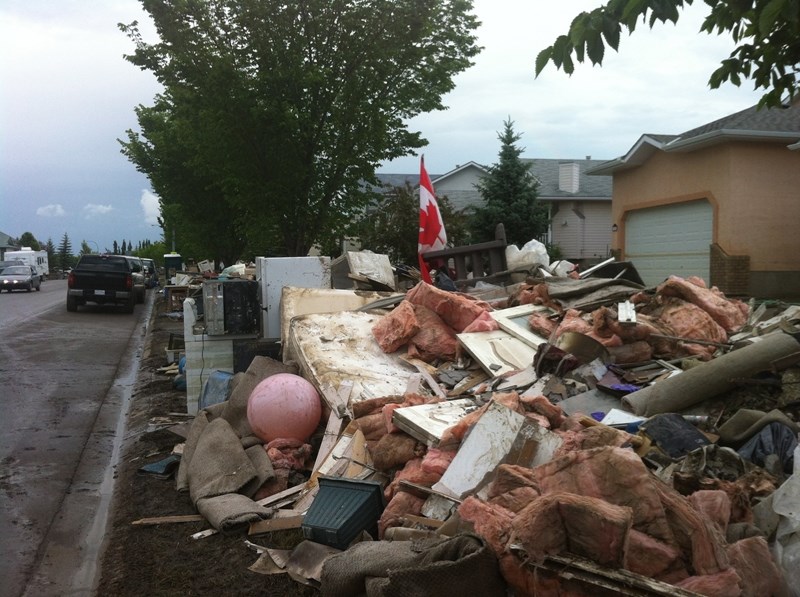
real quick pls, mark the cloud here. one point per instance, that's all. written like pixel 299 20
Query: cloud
pixel 150 207
pixel 54 210
pixel 94 209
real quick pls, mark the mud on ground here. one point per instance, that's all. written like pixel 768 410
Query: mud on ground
pixel 164 559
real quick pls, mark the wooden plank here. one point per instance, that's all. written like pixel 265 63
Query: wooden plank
pixel 169 519
pixel 359 457
pixel 422 367
pixel 423 521
pixel 332 432
pixel 292 491
pixel 422 491
pixel 621 582
pixel 275 524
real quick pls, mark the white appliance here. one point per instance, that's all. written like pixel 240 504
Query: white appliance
pixel 274 273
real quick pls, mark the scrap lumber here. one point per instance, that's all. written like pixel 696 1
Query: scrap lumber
pixel 286 493
pixel 275 524
pixel 168 519
pixel 621 582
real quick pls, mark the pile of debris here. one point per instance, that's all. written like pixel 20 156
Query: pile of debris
pixel 561 435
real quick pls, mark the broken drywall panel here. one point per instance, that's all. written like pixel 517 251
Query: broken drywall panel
pixel 498 352
pixel 427 422
pixel 297 301
pixel 514 320
pixel 331 348
pixel 500 436
pixel 523 379
pixel 375 267
pixel 590 402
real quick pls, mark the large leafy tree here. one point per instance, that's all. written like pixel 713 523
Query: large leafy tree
pixel 194 212
pixel 29 240
pixel 391 225
pixel 281 110
pixel 510 192
pixel 766 33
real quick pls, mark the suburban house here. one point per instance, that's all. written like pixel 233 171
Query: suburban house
pixel 6 245
pixel 580 205
pixel 721 201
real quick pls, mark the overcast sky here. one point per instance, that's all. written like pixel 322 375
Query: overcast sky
pixel 66 95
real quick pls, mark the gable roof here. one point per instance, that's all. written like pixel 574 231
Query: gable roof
pixel 548 172
pixel 456 170
pixel 777 125
pixel 5 241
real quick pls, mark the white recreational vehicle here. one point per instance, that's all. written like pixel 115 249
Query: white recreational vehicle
pixel 36 259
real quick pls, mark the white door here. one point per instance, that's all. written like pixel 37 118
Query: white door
pixel 671 239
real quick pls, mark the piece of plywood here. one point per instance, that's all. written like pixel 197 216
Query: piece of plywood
pixel 372 266
pixel 514 320
pixel 498 352
pixel 427 422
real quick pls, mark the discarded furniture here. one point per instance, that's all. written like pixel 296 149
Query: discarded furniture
pixel 472 263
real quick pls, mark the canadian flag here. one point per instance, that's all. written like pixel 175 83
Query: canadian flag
pixel 432 236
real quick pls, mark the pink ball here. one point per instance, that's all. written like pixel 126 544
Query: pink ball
pixel 284 406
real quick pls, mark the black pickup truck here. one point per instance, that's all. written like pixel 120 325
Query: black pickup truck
pixel 101 279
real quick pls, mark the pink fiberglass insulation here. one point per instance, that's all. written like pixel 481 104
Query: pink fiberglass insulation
pixel 435 339
pixel 714 505
pixel 565 522
pixel 616 475
pixel 437 460
pixel 413 472
pixel 753 563
pixel 456 310
pixel 400 506
pixel 728 313
pixel 396 328
pixel 483 323
pixel 394 450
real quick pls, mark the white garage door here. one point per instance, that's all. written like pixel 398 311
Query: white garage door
pixel 672 239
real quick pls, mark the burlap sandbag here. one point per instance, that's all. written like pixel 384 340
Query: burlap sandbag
pixel 460 565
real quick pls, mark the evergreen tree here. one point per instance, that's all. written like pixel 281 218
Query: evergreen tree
pixel 65 253
pixel 51 252
pixel 116 248
pixel 510 194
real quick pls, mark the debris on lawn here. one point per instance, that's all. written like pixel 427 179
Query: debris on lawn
pixel 568 434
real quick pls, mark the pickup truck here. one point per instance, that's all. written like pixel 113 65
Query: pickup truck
pixel 101 279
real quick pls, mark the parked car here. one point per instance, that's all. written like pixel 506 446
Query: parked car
pixel 137 267
pixel 151 273
pixel 103 280
pixel 19 277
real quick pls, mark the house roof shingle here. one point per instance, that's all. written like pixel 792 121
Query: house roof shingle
pixel 776 125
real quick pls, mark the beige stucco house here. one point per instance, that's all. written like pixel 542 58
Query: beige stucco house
pixel 721 201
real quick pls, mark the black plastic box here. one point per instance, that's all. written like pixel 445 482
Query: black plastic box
pixel 341 510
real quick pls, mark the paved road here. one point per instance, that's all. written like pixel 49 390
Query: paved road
pixel 65 383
